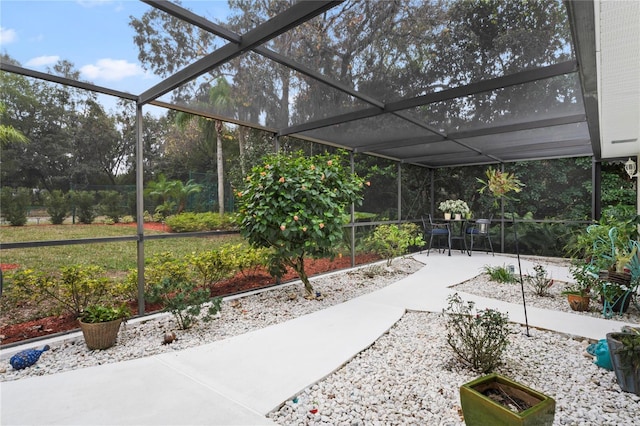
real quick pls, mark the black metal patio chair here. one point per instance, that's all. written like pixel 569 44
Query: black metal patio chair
pixel 480 229
pixel 438 230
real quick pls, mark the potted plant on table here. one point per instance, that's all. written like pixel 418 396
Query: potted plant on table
pixel 624 348
pixel 458 208
pixel 100 325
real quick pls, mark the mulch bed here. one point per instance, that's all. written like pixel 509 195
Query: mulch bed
pixel 238 284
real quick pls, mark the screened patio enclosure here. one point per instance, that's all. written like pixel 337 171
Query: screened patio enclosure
pixel 433 84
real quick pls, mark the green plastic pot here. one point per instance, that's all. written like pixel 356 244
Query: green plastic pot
pixel 479 409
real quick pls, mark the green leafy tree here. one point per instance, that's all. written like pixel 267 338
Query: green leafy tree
pixel 219 98
pixel 99 150
pixel 7 133
pixel 172 194
pixel 162 188
pixel 296 205
pixel 182 191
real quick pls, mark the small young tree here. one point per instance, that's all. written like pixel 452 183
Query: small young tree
pixel 84 202
pixel 57 204
pixel 296 205
pixel 111 205
pixel 15 205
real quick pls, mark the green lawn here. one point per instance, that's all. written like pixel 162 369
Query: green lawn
pixel 114 257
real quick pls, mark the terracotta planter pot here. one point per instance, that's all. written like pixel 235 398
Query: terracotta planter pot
pixel 578 303
pixel 480 409
pixel 101 335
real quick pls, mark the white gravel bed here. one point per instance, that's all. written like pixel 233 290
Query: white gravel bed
pixel 408 376
pixel 237 316
pixel 512 292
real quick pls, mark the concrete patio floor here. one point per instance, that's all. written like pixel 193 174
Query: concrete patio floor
pixel 238 381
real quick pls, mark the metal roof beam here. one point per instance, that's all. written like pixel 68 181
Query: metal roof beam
pixel 331 121
pixel 521 77
pixel 440 157
pixel 470 89
pixel 290 18
pixel 507 128
pixel 398 143
pixel 4 66
pixel 581 16
pixel 194 19
pixel 199 21
pixel 527 125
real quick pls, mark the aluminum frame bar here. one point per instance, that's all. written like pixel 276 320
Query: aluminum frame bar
pixel 292 17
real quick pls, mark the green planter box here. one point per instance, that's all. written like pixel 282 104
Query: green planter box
pixel 479 409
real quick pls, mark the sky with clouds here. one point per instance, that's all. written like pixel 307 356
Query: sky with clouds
pixel 94 35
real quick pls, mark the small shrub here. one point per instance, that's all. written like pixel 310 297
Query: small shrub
pixel 478 338
pixel 249 259
pixel 500 274
pixel 73 289
pixel 84 202
pixel 111 205
pixel 147 217
pixel 128 219
pixel 539 283
pixel 184 299
pixel 15 205
pixel 585 279
pixel 57 204
pixel 192 222
pixel 214 265
pixel 158 267
pixel 391 241
pixel 165 209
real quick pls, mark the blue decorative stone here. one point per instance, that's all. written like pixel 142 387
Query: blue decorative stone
pixel 26 358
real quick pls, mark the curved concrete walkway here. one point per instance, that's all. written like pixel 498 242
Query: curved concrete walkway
pixel 238 381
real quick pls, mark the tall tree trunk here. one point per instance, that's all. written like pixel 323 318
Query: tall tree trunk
pixel 298 266
pixel 242 142
pixel 220 164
